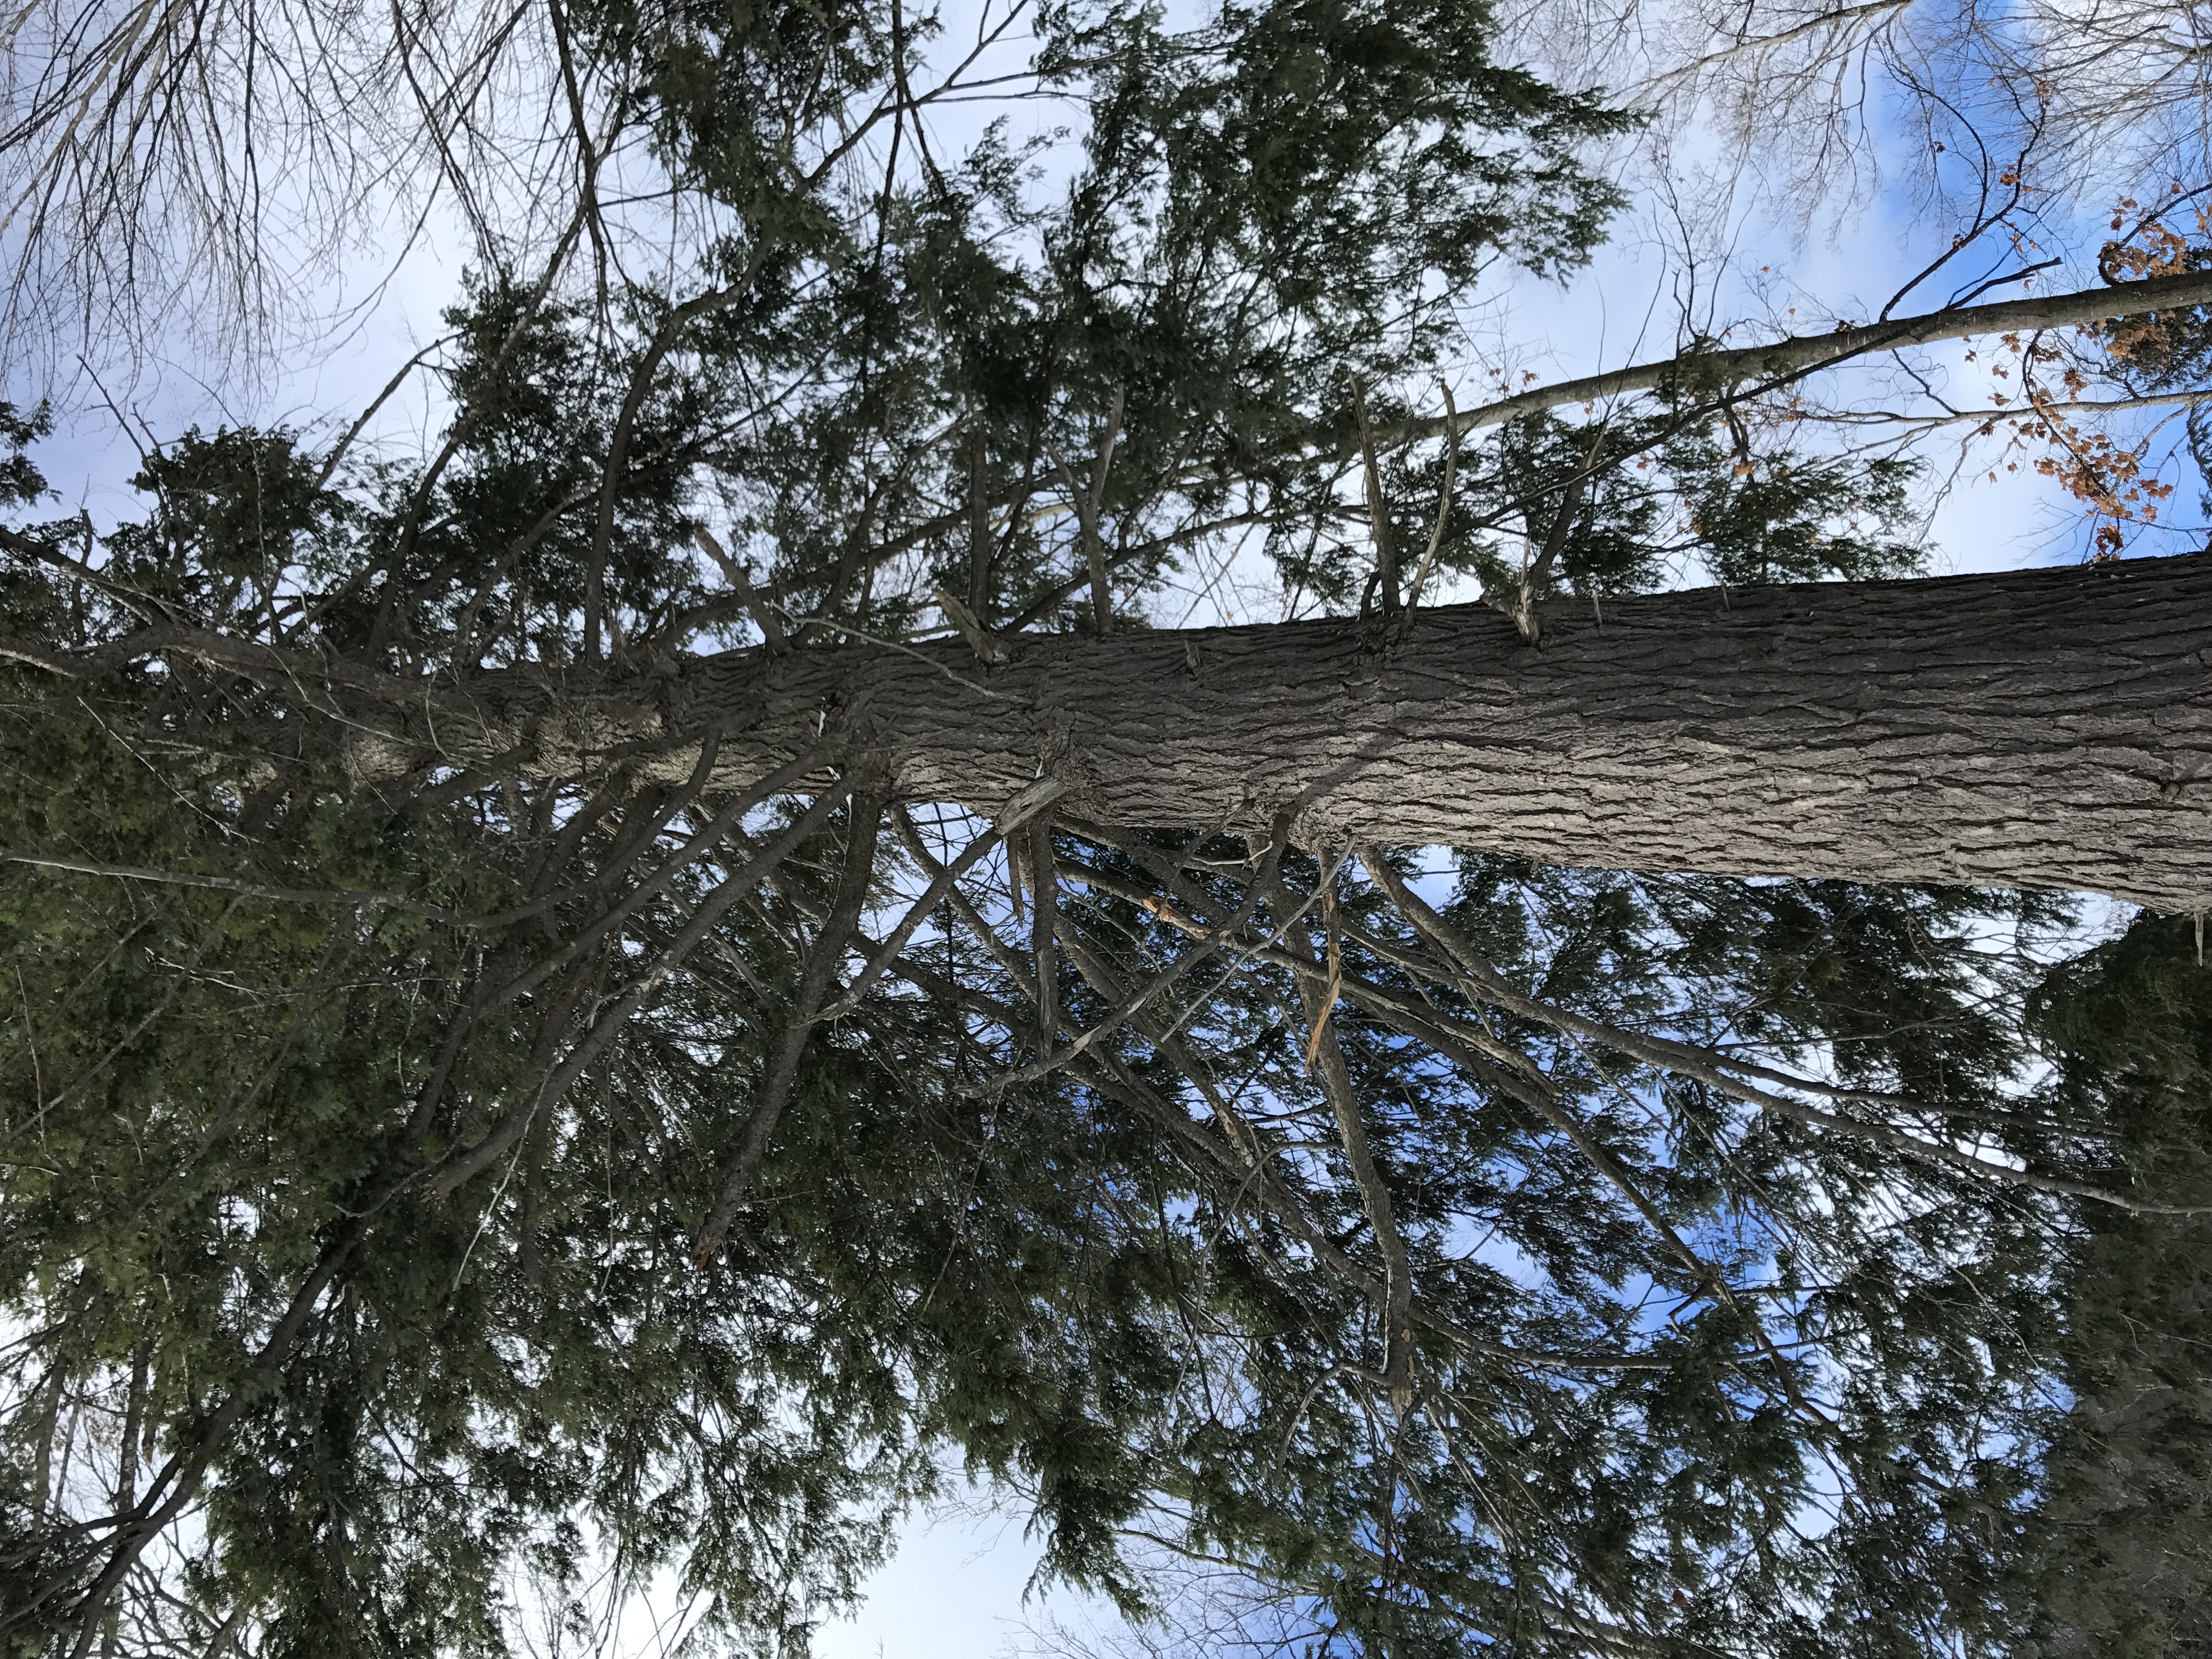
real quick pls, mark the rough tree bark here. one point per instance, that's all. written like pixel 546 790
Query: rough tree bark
pixel 2039 729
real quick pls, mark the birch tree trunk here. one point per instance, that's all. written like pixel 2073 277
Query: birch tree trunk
pixel 2037 729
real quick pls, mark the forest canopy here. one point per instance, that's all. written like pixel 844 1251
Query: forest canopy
pixel 607 1001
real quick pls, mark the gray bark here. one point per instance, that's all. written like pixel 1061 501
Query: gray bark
pixel 2037 729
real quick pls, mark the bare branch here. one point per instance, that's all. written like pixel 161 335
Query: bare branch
pixel 829 950
pixel 1785 361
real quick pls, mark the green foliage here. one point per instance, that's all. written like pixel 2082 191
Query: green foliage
pixel 1646 499
pixel 1789 517
pixel 2126 1513
pixel 492 1388
pixel 21 482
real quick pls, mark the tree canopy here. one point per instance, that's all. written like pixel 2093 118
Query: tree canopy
pixel 463 1173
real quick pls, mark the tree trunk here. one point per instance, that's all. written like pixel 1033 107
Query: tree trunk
pixel 2037 729
pixel 1786 359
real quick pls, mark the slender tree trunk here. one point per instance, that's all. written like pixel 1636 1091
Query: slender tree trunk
pixel 2037 729
pixel 1781 360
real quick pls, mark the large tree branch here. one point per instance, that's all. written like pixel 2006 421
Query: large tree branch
pixel 1326 1058
pixel 814 980
pixel 1659 86
pixel 1797 355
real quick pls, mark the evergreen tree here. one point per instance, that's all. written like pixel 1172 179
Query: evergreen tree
pixel 2129 1476
pixel 594 1002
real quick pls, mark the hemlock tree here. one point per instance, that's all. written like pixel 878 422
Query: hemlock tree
pixel 595 1002
pixel 2128 1473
